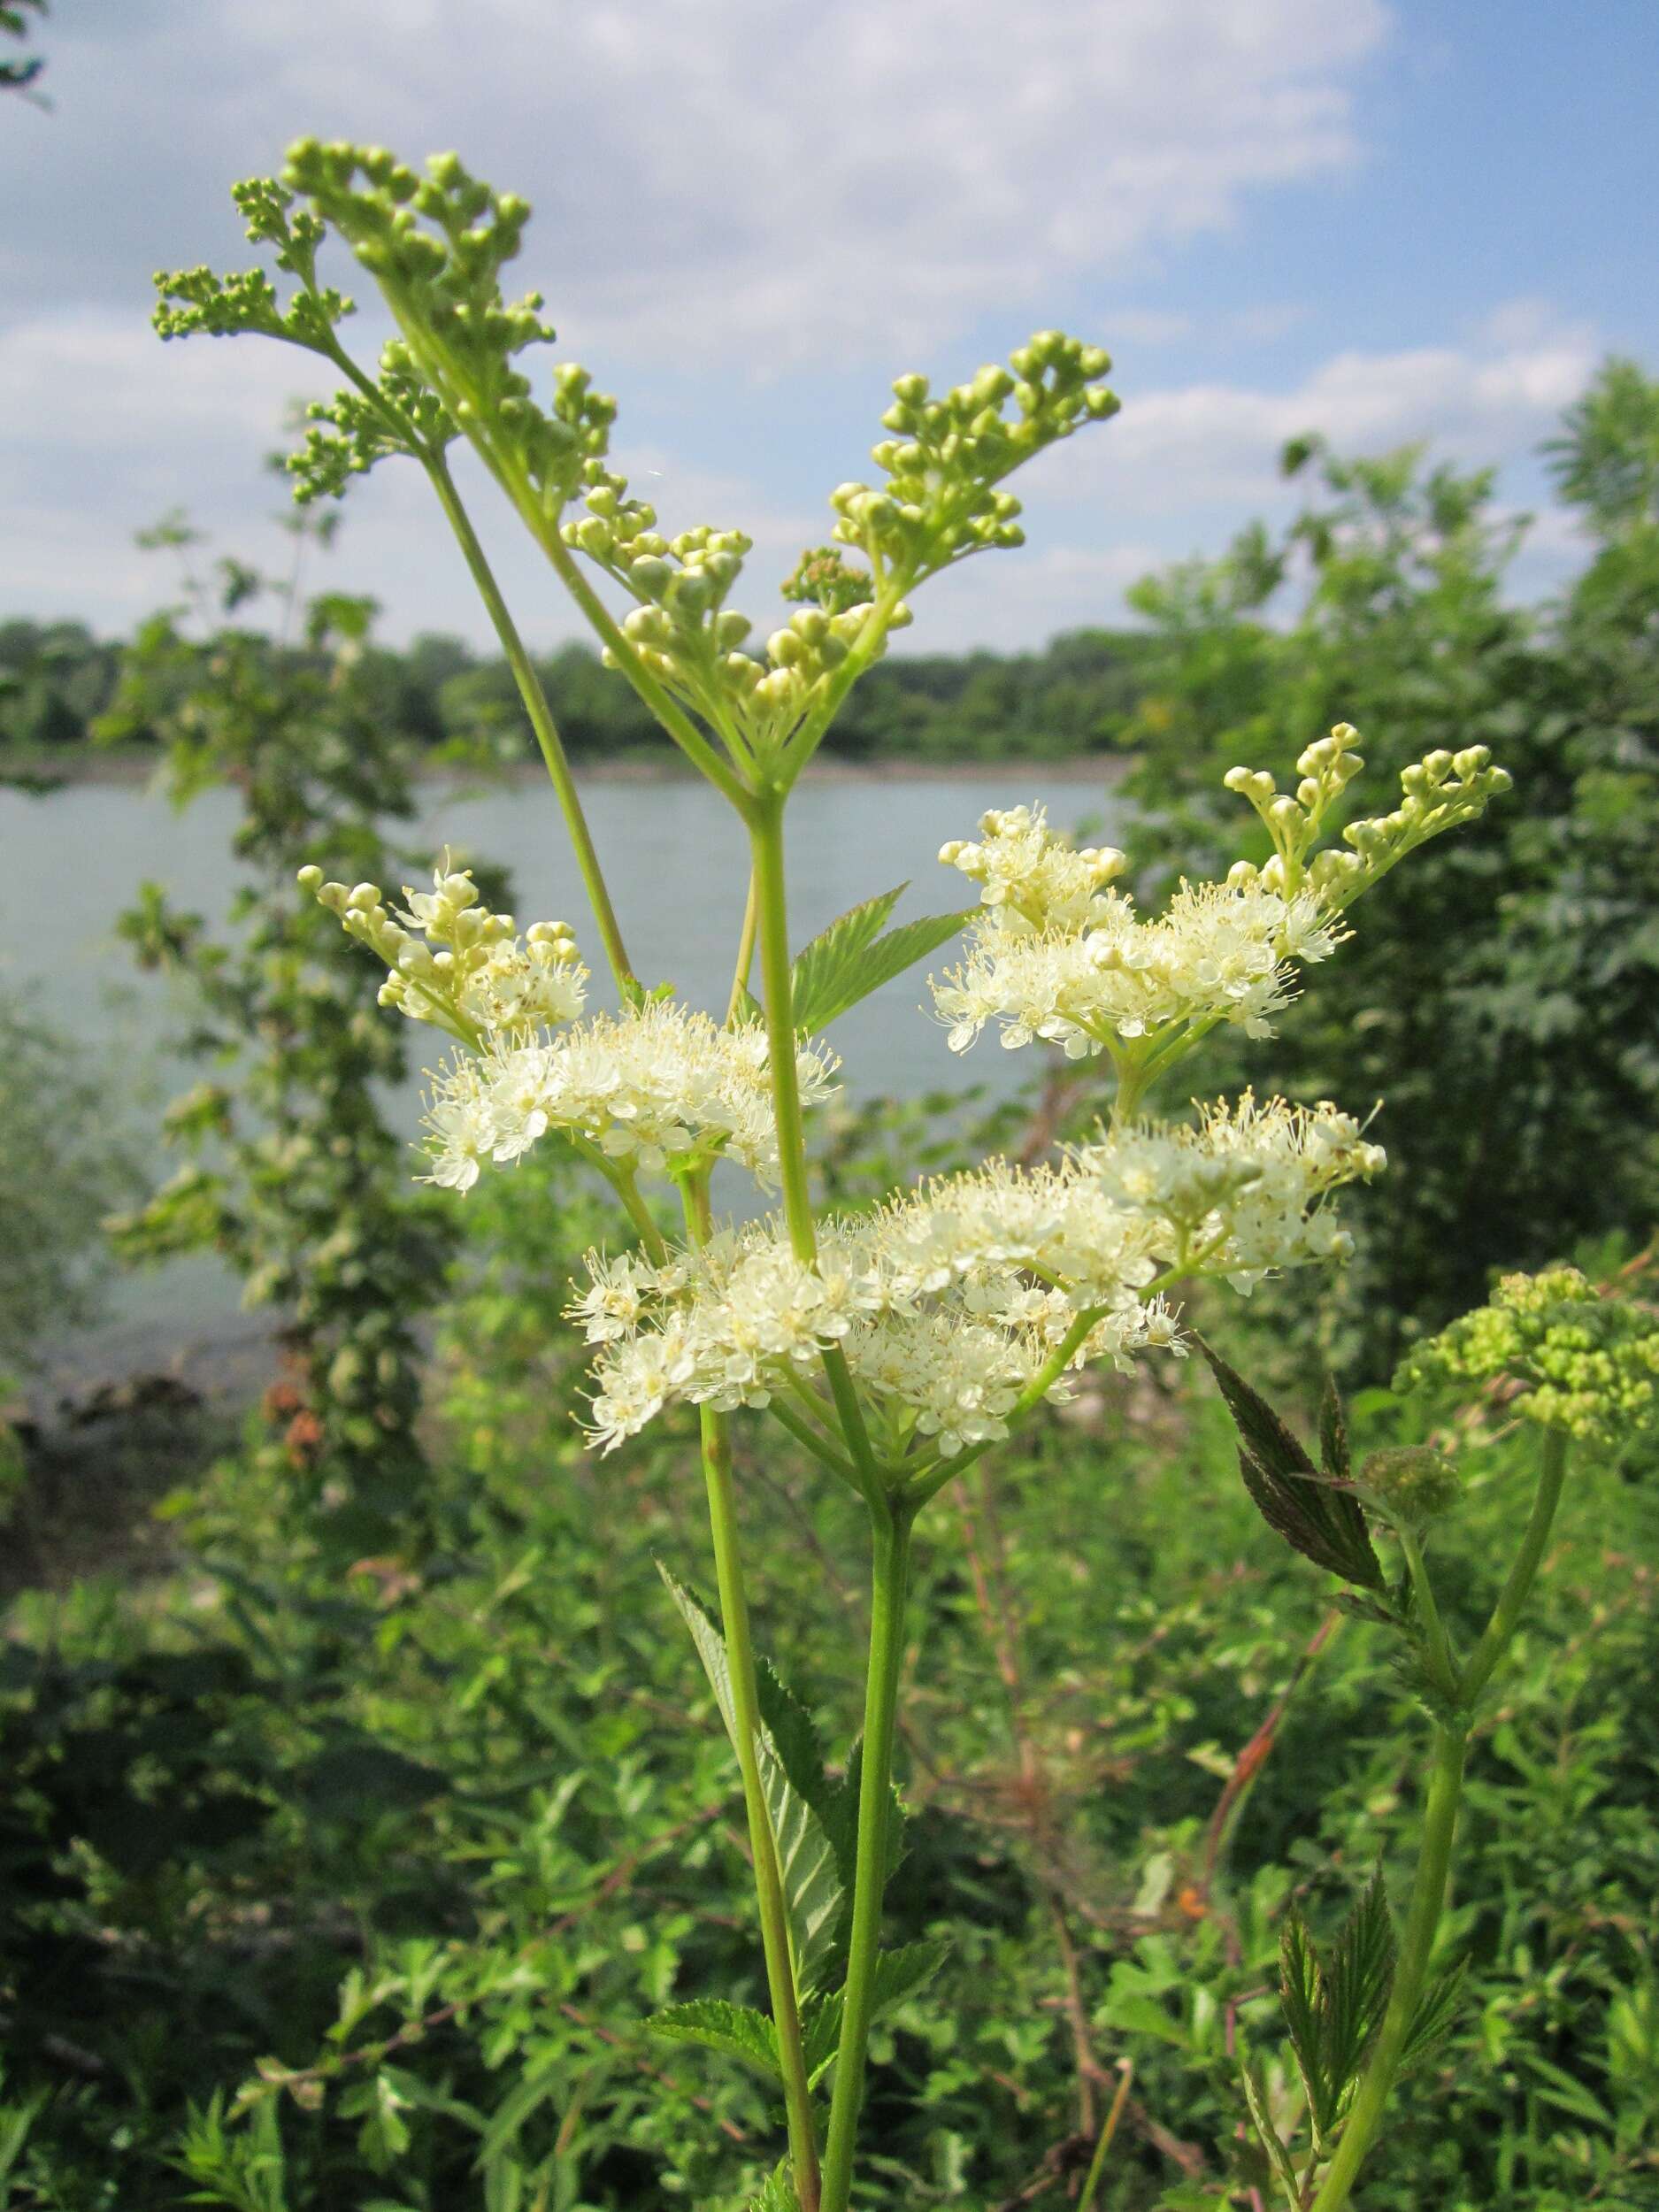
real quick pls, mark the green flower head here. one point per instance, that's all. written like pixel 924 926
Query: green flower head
pixel 1585 1363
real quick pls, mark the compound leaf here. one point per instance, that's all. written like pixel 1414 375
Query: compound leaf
pixel 1321 1521
pixel 737 2029
pixel 851 958
pixel 899 1974
pixel 807 1861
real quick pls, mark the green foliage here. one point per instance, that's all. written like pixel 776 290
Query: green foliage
pixel 293 1173
pixel 1504 1005
pixel 737 2029
pixel 807 1862
pixel 855 956
pixel 1334 2006
pixel 67 1163
pixel 1304 1503
pixel 450 702
pixel 483 2039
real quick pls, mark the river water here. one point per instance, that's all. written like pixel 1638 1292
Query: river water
pixel 673 854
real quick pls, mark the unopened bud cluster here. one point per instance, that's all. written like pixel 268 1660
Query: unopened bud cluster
pixel 948 451
pixel 472 974
pixel 1058 954
pixel 1411 1483
pixel 1586 1364
pixel 690 641
pixel 1438 793
pixel 436 244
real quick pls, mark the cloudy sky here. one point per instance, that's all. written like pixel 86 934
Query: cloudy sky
pixel 1386 219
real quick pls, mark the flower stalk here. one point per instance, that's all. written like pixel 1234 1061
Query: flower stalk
pixel 889 1582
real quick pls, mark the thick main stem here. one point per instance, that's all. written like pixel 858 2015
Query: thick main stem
pixel 775 1922
pixel 772 914
pixel 889 1587
pixel 1416 1943
pixel 1439 1824
pixel 542 722
pixel 771 922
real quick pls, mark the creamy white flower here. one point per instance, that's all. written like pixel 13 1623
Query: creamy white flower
pixel 936 1300
pixel 653 1087
pixel 472 975
pixel 1030 876
pixel 1241 1193
pixel 1219 953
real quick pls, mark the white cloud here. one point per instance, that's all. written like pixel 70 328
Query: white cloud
pixel 145 428
pixel 768 181
pixel 1218 444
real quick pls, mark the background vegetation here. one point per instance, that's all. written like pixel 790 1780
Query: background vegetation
pixel 342 1850
pixel 57 680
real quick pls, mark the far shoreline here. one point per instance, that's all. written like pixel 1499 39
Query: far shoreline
pixel 41 775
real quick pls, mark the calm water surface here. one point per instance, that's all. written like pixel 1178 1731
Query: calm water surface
pixel 672 852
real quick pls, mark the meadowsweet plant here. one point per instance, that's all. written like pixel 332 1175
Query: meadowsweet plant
pixel 1552 1353
pixel 897 1344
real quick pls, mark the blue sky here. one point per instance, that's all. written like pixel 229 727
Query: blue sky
pixel 1383 221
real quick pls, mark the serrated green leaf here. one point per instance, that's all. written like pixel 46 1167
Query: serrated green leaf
pixel 778 2195
pixel 1268 2135
pixel 1299 2002
pixel 1323 1523
pixel 795 1736
pixel 841 1822
pixel 1333 1452
pixel 851 958
pixel 1566 2093
pixel 898 1974
pixel 807 1862
pixel 1435 2018
pixel 1357 1976
pixel 820 967
pixel 737 2029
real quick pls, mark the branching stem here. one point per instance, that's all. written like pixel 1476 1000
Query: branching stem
pixel 546 736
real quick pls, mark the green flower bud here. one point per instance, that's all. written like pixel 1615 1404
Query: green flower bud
pixel 1414 1483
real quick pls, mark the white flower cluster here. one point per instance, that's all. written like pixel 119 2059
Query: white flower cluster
pixel 474 975
pixel 1033 879
pixel 655 1086
pixel 1076 966
pixel 1057 956
pixel 1241 1192
pixel 949 1302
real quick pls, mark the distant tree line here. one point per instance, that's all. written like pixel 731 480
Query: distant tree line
pixel 1076 696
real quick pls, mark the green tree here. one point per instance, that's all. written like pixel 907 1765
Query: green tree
pixel 1505 998
pixel 294 1174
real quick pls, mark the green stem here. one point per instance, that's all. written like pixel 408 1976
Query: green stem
pixel 1097 2164
pixel 777 982
pixel 739 1656
pixel 771 915
pixel 541 720
pixel 890 1532
pixel 471 415
pixel 1416 1943
pixel 774 1921
pixel 745 954
pixel 622 1180
pixel 1428 1895
pixel 1441 1658
pixel 1506 1614
pixel 819 1446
